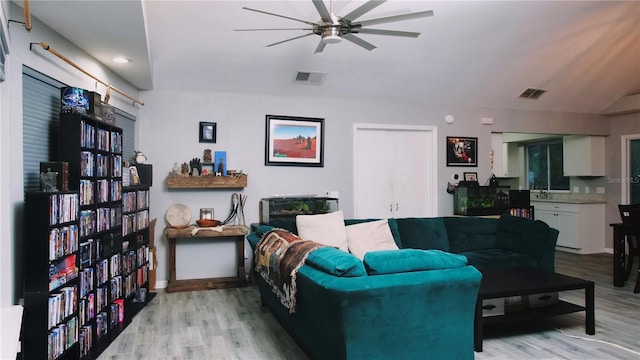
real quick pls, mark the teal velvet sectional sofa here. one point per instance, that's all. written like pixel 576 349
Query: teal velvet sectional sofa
pixel 407 303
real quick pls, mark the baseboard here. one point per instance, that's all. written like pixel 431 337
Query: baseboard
pixel 608 250
pixel 161 284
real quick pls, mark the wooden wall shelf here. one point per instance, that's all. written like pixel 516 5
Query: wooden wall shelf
pixel 207 182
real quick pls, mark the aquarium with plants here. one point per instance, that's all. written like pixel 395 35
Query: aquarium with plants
pixel 276 208
pixel 481 200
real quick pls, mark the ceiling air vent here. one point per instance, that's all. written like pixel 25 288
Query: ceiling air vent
pixel 309 78
pixel 532 93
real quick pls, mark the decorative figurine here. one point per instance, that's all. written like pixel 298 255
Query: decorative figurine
pixel 207 156
pixel 185 169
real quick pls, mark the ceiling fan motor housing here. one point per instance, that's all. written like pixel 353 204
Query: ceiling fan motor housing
pixel 331 34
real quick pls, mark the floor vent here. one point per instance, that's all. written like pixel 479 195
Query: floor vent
pixel 532 93
pixel 306 77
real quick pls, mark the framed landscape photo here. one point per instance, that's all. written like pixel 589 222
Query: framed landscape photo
pixel 462 151
pixel 207 132
pixel 294 141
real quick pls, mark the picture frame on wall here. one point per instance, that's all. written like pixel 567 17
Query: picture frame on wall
pixel 462 151
pixel 294 141
pixel 207 132
pixel 470 176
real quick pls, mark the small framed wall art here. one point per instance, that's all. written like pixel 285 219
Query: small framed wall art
pixel 462 151
pixel 294 141
pixel 207 132
pixel 470 176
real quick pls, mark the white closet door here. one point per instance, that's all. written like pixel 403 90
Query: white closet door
pixel 412 174
pixel 394 171
pixel 373 187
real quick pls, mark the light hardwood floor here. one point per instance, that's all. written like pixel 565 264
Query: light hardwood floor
pixel 231 324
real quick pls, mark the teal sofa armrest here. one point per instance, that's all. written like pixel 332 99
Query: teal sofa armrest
pixel 254 237
pixel 376 317
pixel 530 237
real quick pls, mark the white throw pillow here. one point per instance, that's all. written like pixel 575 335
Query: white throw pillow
pixel 370 236
pixel 327 229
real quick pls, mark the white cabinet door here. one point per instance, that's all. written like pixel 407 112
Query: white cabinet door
pixel 568 227
pixel 581 226
pixel 583 155
pixel 506 157
pixel 394 172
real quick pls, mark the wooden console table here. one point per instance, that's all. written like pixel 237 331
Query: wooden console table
pixel 237 232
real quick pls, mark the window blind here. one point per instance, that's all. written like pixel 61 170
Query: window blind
pixel 41 121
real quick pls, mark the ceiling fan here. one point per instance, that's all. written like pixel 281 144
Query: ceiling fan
pixel 332 28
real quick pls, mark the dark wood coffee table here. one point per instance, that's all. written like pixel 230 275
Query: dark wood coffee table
pixel 506 282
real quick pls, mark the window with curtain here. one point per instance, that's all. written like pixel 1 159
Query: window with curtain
pixel 544 166
pixel 41 121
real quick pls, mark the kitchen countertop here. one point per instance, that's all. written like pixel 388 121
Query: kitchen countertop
pixel 571 201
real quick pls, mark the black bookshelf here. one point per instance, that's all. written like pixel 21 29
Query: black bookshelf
pixel 135 248
pixel 93 150
pixel 51 285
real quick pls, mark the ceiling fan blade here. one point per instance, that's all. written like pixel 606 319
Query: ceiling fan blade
pixel 320 47
pixel 363 9
pixel 386 32
pixel 294 38
pixel 322 10
pixel 272 29
pixel 358 41
pixel 278 15
pixel 415 15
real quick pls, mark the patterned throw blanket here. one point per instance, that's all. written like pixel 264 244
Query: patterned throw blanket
pixel 278 256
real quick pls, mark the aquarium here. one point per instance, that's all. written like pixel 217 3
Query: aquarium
pixel 278 208
pixel 481 200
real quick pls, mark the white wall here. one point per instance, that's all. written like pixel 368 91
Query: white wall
pixel 11 183
pixel 169 134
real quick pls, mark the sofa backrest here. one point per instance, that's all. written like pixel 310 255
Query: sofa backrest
pixel 470 233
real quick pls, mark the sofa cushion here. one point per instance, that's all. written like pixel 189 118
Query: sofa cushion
pixel 521 235
pixel 370 236
pixel 393 225
pixel 470 233
pixel 336 262
pixel 405 260
pixel 327 229
pixel 423 233
pixel 498 258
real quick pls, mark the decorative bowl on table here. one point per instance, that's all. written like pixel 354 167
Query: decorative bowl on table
pixel 207 222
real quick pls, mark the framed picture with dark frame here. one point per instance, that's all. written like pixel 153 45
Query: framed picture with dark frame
pixel 462 151
pixel 207 132
pixel 470 176
pixel 294 141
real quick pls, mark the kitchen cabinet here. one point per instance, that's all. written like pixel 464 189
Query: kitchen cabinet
pixel 581 226
pixel 506 157
pixel 583 155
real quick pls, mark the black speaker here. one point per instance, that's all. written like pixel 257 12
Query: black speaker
pixel 145 172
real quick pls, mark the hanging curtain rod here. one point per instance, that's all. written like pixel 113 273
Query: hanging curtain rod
pixel 109 87
pixel 27 16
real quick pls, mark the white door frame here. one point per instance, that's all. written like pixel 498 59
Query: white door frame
pixel 625 155
pixel 432 183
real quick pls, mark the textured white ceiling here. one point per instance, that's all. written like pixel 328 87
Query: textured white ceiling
pixel 586 54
